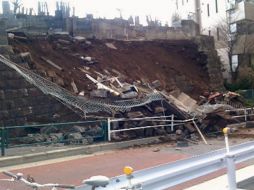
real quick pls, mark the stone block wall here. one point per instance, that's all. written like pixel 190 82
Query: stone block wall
pixel 3 34
pixel 214 66
pixel 21 103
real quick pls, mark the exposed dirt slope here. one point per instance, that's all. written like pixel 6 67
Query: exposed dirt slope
pixel 176 64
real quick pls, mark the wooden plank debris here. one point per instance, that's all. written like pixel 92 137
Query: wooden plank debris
pixel 102 86
pixel 74 87
pixel 52 63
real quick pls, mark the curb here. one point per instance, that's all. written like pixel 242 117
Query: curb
pixel 54 154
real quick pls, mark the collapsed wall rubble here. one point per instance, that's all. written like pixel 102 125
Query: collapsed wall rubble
pixel 95 82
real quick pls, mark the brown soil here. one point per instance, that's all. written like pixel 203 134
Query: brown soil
pixel 176 64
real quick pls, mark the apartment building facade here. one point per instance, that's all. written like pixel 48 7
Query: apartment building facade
pixel 224 20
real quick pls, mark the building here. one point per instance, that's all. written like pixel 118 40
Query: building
pixel 230 22
pixel 6 8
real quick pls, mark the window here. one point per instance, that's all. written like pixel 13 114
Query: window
pixel 218 34
pixel 234 60
pixel 208 10
pixel 233 28
pixel 216 6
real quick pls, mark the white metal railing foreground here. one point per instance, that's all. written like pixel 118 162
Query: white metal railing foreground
pixel 169 175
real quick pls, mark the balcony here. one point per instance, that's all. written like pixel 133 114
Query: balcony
pixel 243 10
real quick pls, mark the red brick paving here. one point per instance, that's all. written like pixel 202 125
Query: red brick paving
pixel 109 164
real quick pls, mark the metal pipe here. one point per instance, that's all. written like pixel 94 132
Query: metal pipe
pixel 109 130
pixel 2 142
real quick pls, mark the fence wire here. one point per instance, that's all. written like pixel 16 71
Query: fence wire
pixel 81 103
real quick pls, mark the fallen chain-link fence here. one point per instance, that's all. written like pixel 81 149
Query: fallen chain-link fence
pixel 81 103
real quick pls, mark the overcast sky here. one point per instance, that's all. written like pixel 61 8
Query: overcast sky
pixel 159 9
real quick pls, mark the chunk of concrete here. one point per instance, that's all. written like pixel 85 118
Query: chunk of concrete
pixel 99 93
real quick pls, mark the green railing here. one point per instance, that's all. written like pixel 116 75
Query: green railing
pixel 82 132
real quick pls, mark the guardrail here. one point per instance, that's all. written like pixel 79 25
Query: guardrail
pixel 172 174
pixel 170 121
pixel 17 136
pixel 245 113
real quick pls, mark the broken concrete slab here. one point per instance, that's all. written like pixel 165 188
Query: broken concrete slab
pixel 99 93
pixel 111 46
pixel 135 114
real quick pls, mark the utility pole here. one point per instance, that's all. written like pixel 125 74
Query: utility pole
pixel 120 12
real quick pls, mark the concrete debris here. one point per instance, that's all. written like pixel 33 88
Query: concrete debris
pixel 156 84
pixel 82 93
pixel 111 46
pixel 11 35
pixel 99 93
pixel 74 87
pixel 129 95
pixel 88 43
pixel 88 60
pixel 59 81
pixel 64 42
pixel 51 73
pixel 179 132
pixel 106 82
pixel 156 150
pixel 159 109
pixel 135 114
pixel 79 38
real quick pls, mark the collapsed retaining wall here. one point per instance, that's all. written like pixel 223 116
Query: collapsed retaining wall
pixel 21 103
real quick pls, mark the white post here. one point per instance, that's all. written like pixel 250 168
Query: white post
pixel 245 115
pixel 200 133
pixel 231 172
pixel 109 130
pixel 230 163
pixel 226 142
pixel 172 122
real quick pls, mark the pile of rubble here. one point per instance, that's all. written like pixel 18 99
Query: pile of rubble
pixel 63 135
pixel 91 69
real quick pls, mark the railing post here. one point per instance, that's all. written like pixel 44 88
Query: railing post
pixel 230 161
pixel 2 142
pixel 245 115
pixel 172 122
pixel 231 171
pixel 109 130
pixel 105 131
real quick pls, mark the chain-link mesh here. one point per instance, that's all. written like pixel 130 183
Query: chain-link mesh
pixel 81 103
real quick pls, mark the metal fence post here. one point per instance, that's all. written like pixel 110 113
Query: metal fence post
pixel 245 115
pixel 2 142
pixel 231 171
pixel 230 161
pixel 109 130
pixel 172 122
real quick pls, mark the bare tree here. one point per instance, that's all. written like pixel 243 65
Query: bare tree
pixel 176 19
pixel 235 38
pixel 17 4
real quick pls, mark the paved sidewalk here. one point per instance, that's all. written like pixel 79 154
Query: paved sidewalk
pixel 110 164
